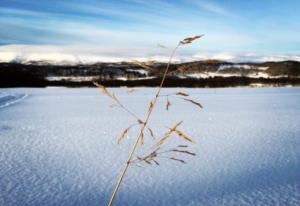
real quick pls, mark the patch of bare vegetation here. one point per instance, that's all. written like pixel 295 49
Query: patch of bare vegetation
pixel 157 152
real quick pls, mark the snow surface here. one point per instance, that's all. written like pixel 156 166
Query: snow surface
pixel 237 66
pixel 7 99
pixel 217 74
pixel 211 74
pixel 241 66
pixel 58 147
pixel 72 78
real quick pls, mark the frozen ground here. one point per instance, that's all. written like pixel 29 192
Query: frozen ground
pixel 57 147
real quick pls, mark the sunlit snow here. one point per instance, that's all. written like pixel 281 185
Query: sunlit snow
pixel 58 147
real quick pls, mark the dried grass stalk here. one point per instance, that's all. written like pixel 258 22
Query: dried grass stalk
pixel 142 138
pixel 149 112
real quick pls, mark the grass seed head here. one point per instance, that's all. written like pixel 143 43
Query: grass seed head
pixel 193 102
pixel 182 135
pixel 168 104
pixel 184 151
pixel 184 146
pixel 178 160
pixel 151 132
pixel 167 135
pixel 189 40
pixel 123 135
pixel 182 94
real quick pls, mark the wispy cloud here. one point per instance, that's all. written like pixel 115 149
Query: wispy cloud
pixel 213 7
pixel 229 26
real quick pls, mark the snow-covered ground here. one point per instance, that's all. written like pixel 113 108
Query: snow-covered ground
pixel 58 147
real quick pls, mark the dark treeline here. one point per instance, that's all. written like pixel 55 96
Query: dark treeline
pixel 35 75
pixel 32 81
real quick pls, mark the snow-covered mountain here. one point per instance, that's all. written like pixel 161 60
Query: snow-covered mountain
pixel 91 54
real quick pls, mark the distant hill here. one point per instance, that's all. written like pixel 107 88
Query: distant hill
pixel 209 73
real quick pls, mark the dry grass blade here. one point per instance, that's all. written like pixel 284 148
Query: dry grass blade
pixel 168 104
pixel 184 136
pixel 124 134
pixel 189 40
pixel 182 94
pixel 179 160
pixel 193 102
pixel 147 161
pixel 141 64
pixel 140 121
pixel 184 151
pixel 156 162
pixel 151 132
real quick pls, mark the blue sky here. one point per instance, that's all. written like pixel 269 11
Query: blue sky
pixel 254 26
